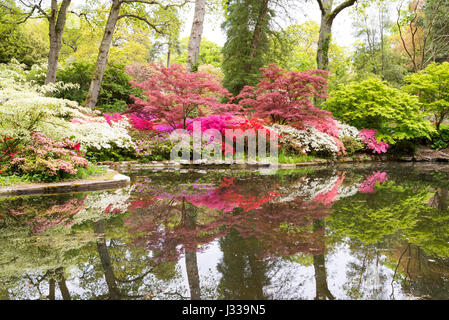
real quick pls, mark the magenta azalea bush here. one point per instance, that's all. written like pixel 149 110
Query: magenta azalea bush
pixel 47 159
pixel 368 137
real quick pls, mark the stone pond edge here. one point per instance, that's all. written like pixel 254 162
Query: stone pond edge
pixel 110 180
pixel 119 180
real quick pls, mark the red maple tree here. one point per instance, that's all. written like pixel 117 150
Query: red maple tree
pixel 285 97
pixel 174 95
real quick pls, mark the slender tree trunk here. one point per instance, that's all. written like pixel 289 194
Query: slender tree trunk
pixel 195 35
pixel 94 90
pixel 189 220
pixel 319 264
pixel 169 55
pixel 114 293
pixel 324 43
pixel 327 18
pixel 192 275
pixel 57 22
pixel 51 289
pixel 257 34
pixel 62 285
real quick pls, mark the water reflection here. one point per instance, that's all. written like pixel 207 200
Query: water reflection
pixel 371 232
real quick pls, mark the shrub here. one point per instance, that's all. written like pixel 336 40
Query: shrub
pixel 373 104
pixel 45 159
pixel 307 141
pixel 116 90
pixel 152 147
pixel 25 109
pixel 441 139
pixel 369 139
pixel 431 85
pixel 352 145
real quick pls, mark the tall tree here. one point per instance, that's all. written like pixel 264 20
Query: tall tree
pixel 195 35
pixel 56 16
pixel 327 19
pixel 115 14
pixel 247 27
pixel 57 19
pixel 424 31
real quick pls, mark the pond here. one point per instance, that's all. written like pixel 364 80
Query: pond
pixel 365 231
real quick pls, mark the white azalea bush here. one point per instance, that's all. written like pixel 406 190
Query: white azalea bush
pixel 350 137
pixel 306 141
pixel 311 140
pixel 24 109
pixel 68 134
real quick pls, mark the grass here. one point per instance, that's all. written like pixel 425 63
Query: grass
pixel 12 180
pixel 294 158
pixel 82 173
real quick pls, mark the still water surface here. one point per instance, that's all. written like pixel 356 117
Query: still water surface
pixel 378 231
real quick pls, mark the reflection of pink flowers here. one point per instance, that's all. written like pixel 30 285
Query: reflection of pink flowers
pixel 370 182
pixel 330 196
pixel 224 198
pixel 368 137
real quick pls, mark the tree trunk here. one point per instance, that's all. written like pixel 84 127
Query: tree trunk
pixel 62 285
pixel 114 293
pixel 189 220
pixel 56 22
pixel 169 55
pixel 324 43
pixel 51 289
pixel 97 78
pixel 327 18
pixel 195 35
pixel 319 264
pixel 261 19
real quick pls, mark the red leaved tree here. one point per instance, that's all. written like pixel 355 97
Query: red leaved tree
pixel 175 95
pixel 285 97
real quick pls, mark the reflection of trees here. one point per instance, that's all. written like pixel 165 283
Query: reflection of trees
pixel 244 271
pixel 421 275
pixel 266 214
pixel 408 217
pixel 402 224
pixel 189 213
pixel 319 264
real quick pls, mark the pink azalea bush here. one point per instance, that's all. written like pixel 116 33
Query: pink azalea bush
pixel 48 159
pixel 368 137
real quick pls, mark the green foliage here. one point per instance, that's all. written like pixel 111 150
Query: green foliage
pixel 241 61
pixel 294 48
pixel 441 139
pixel 6 181
pixel 115 90
pixel 431 85
pixel 352 145
pixel 114 153
pixel 293 158
pixel 210 53
pixel 25 42
pixel 372 104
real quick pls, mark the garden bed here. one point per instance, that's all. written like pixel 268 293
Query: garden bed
pixel 110 180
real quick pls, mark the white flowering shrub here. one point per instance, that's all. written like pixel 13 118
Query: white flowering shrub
pixel 24 109
pixel 101 134
pixel 309 140
pixel 345 130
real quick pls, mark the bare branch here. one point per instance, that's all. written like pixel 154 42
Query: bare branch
pixel 151 25
pixel 341 7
